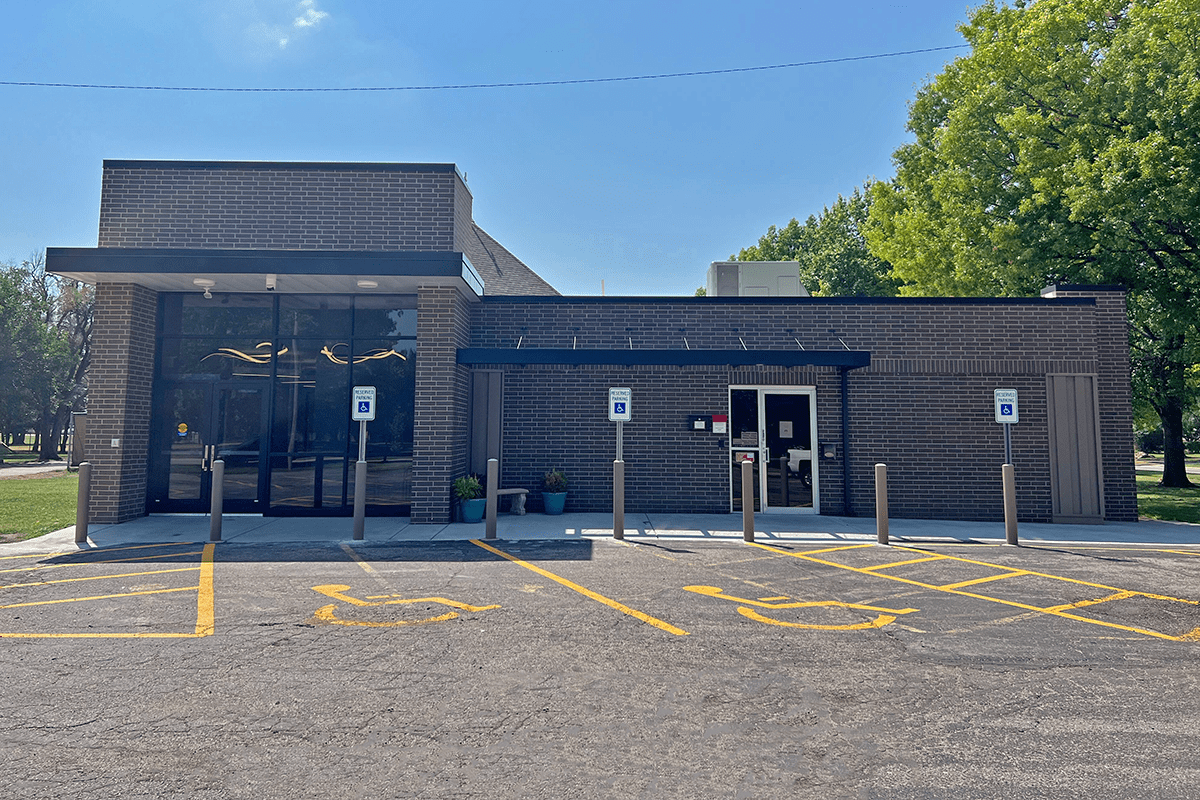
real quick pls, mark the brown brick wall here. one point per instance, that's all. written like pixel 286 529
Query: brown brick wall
pixel 924 406
pixel 222 205
pixel 119 388
pixel 440 425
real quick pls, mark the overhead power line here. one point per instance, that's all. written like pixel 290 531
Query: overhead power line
pixel 515 84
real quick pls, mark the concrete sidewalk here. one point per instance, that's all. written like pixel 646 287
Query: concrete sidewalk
pixel 662 528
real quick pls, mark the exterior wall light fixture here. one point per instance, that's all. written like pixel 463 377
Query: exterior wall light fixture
pixel 206 284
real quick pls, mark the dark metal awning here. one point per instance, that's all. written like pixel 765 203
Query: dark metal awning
pixel 846 359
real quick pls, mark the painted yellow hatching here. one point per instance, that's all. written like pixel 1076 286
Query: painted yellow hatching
pixel 205 616
pixel 338 591
pixel 885 618
pixel 1058 611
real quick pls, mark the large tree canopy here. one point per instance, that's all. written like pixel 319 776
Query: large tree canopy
pixel 832 254
pixel 1065 147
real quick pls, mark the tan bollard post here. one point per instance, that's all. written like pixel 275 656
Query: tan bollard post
pixel 360 500
pixel 217 507
pixel 83 502
pixel 618 499
pixel 1010 503
pixel 493 486
pixel 881 504
pixel 748 501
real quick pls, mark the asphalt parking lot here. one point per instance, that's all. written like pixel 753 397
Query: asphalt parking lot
pixel 594 668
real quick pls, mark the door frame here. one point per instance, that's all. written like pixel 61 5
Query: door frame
pixel 162 503
pixel 763 390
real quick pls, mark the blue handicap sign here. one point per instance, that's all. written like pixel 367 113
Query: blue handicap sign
pixel 618 408
pixel 1006 409
pixel 364 406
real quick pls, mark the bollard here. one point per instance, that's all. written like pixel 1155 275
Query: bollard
pixel 493 486
pixel 748 501
pixel 83 502
pixel 783 481
pixel 360 499
pixel 618 499
pixel 881 505
pixel 217 507
pixel 1010 503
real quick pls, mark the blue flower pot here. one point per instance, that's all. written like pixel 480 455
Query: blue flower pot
pixel 554 502
pixel 472 510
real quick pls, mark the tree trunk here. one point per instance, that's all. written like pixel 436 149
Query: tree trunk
pixel 1174 471
pixel 46 438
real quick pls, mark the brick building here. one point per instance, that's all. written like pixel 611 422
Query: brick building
pixel 238 303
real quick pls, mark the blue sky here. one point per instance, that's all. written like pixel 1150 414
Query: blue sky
pixel 640 184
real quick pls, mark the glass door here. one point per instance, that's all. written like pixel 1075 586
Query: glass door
pixel 775 427
pixel 201 422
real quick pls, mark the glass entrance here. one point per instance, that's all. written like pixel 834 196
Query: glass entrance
pixel 199 423
pixel 775 427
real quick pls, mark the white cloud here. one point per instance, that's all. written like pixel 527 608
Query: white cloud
pixel 311 15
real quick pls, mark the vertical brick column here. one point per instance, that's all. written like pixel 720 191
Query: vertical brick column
pixel 1115 396
pixel 119 384
pixel 440 426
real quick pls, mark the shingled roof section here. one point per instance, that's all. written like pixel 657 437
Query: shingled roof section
pixel 502 272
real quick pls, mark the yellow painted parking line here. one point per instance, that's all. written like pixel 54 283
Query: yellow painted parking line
pixel 100 561
pixel 904 563
pixel 98 577
pixel 38 555
pixel 835 549
pixel 104 550
pixel 1192 635
pixel 1095 602
pixel 206 622
pixel 988 579
pixel 358 559
pixel 99 597
pixel 624 609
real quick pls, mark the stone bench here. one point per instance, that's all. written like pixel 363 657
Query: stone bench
pixel 518 499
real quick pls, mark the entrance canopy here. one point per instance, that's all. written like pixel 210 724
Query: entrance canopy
pixel 290 271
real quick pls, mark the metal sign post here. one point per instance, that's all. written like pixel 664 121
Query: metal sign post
pixel 362 410
pixel 620 411
pixel 1008 415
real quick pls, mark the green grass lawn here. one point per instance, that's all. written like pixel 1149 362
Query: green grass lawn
pixel 1178 505
pixel 30 507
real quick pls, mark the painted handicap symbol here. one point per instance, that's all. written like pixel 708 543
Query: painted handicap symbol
pixel 885 617
pixel 337 591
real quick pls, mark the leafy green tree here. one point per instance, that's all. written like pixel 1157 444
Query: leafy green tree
pixel 1064 148
pixel 832 255
pixel 45 328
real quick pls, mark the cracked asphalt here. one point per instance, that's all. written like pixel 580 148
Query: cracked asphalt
pixel 579 669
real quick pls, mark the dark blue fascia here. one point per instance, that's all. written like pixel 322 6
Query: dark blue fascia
pixel 487 356
pixel 294 262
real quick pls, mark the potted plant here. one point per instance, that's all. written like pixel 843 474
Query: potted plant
pixel 470 498
pixel 554 491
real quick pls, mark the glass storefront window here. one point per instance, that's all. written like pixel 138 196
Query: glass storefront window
pixel 321 347
pixel 312 397
pixel 215 358
pixel 386 316
pixel 224 315
pixel 314 315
